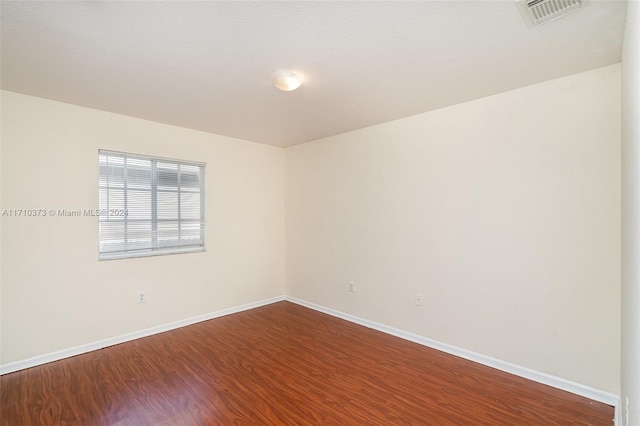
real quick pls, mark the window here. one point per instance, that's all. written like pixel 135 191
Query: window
pixel 149 206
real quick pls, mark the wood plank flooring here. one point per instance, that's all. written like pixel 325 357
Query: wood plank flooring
pixel 281 364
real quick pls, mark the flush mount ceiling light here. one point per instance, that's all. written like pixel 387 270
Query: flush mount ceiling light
pixel 286 81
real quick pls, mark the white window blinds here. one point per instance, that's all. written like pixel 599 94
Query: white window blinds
pixel 149 206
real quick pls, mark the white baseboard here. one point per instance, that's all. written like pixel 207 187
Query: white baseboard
pixel 536 376
pixel 77 350
pixel 617 420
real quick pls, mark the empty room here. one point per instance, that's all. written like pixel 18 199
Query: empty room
pixel 320 213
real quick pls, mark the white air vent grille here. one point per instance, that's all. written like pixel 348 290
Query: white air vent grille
pixel 537 12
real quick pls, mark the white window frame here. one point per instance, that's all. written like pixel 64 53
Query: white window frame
pixel 152 247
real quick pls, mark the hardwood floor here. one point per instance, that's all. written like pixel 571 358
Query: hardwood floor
pixel 281 364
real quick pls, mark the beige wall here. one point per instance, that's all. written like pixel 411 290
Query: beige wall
pixel 55 292
pixel 631 218
pixel 1 221
pixel 504 213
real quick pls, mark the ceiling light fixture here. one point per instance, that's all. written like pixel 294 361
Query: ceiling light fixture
pixel 286 81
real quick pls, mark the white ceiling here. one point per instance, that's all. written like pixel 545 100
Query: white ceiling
pixel 207 65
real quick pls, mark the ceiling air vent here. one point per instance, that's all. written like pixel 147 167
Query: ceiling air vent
pixel 538 12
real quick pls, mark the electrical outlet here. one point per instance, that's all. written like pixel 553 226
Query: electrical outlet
pixel 352 287
pixel 142 297
pixel 418 299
